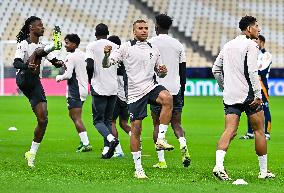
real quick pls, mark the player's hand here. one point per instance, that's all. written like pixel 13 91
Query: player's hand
pixel 107 49
pixel 58 78
pixel 32 66
pixel 256 103
pixel 162 71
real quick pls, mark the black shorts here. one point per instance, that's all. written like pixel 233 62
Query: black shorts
pixel 177 105
pixel 74 103
pixel 120 110
pixel 138 109
pixel 239 108
pixel 31 87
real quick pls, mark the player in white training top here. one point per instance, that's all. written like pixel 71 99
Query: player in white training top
pixel 172 52
pixel 77 87
pixel 103 89
pixel 28 59
pixel 141 60
pixel 235 70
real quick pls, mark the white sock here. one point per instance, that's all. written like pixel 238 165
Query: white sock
pixel 129 133
pixel 137 160
pixel 161 155
pixel 105 150
pixel 110 137
pixel 182 142
pixel 34 147
pixel 162 131
pixel 262 161
pixel 118 149
pixel 220 155
pixel 84 138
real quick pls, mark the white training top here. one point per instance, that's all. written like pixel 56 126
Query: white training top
pixel 25 49
pixel 238 59
pixel 139 59
pixel 104 80
pixel 76 74
pixel 172 53
pixel 264 60
pixel 121 91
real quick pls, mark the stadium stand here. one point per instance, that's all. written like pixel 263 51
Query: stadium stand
pixel 211 23
pixel 208 24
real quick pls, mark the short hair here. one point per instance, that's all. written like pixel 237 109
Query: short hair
pixel 261 38
pixel 246 21
pixel 164 21
pixel 139 21
pixel 102 30
pixel 115 39
pixel 74 38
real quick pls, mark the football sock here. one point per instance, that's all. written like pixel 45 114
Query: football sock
pixel 105 150
pixel 34 147
pixel 161 155
pixel 220 155
pixel 182 142
pixel 262 161
pixel 118 149
pixel 162 131
pixel 137 160
pixel 110 137
pixel 84 138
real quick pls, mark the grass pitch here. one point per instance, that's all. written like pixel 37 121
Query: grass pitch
pixel 60 169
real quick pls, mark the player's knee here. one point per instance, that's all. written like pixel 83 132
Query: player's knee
pixel 43 121
pixel 168 100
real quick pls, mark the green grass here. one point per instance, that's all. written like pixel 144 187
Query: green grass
pixel 60 169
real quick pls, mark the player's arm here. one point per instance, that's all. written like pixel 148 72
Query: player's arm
pixel 160 68
pixel 19 57
pixel 217 70
pixel 90 63
pixel 68 72
pixel 114 57
pixel 182 75
pixel 182 71
pixel 253 74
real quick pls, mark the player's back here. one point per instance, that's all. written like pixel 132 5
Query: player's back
pixel 236 67
pixel 104 81
pixel 172 53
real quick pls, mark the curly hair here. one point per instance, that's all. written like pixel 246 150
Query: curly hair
pixel 164 21
pixel 246 21
pixel 24 32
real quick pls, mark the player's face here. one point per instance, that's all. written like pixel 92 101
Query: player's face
pixel 70 46
pixel 141 31
pixel 254 31
pixel 37 28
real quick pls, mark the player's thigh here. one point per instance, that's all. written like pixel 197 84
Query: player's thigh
pixel 138 110
pixel 159 95
pixel 99 104
pixel 257 120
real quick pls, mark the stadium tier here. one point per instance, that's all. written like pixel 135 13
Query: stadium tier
pixel 208 24
pixel 211 23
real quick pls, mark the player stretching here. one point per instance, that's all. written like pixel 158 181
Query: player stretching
pixel 141 60
pixel 172 52
pixel 235 70
pixel 103 89
pixel 77 87
pixel 27 60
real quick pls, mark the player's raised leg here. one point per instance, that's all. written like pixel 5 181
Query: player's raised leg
pixel 165 99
